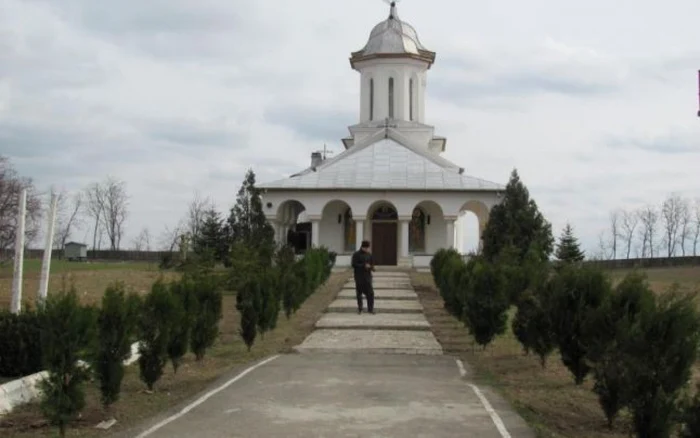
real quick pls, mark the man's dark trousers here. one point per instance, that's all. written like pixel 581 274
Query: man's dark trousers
pixel 363 286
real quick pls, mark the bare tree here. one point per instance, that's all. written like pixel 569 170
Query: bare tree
pixel 11 185
pixel 614 232
pixel 114 210
pixel 94 195
pixel 171 237
pixel 69 212
pixel 649 217
pixel 196 213
pixel 696 225
pixel 142 242
pixel 630 219
pixel 686 225
pixel 671 211
pixel 603 252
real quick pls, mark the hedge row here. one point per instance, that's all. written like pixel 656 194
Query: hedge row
pixel 168 322
pixel 638 347
pixel 284 285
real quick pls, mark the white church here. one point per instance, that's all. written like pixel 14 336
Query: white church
pixel 390 185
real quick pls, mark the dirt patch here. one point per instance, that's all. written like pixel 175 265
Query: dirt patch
pixel 546 398
pixel 227 355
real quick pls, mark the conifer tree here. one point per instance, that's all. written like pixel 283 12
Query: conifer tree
pixel 517 222
pixel 247 222
pixel 67 328
pixel 248 304
pixel 211 241
pixel 183 314
pixel 155 326
pixel 568 248
pixel 115 332
pixel 208 302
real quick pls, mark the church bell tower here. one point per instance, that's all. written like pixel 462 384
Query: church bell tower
pixel 393 68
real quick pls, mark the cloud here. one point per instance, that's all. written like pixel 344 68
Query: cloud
pixel 174 95
pixel 312 123
pixel 677 140
pixel 550 67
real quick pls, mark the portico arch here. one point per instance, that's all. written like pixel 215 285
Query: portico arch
pixel 292 226
pixel 481 212
pixel 426 229
pixel 338 227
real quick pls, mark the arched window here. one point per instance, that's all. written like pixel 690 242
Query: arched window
pixel 410 99
pixel 349 230
pixel 371 99
pixel 416 232
pixel 391 98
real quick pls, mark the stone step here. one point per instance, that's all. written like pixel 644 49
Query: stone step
pixel 382 285
pixel 380 321
pixel 384 274
pixel 343 305
pixel 371 341
pixel 382 294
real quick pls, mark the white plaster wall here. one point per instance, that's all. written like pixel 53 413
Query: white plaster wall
pixel 401 70
pixel 331 233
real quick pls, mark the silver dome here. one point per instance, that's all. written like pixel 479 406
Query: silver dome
pixel 395 38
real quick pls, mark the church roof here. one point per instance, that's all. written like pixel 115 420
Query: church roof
pixel 393 37
pixel 385 164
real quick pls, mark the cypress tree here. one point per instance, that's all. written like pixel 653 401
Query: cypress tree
pixel 155 326
pixel 248 304
pixel 577 294
pixel 568 248
pixel 486 307
pixel 610 329
pixel 208 302
pixel 184 310
pixel 115 332
pixel 67 329
pixel 247 223
pixel 517 222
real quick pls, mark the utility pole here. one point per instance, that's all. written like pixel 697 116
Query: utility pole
pixel 16 304
pixel 48 249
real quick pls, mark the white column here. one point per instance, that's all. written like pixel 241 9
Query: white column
pixel 450 233
pixel 359 233
pixel 459 225
pixel 16 304
pixel 315 235
pixel 404 238
pixel 48 249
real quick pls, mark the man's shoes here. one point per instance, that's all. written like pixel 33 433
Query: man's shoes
pixel 371 312
pixel 359 311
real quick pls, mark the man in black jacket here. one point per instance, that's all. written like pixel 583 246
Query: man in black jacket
pixel 363 265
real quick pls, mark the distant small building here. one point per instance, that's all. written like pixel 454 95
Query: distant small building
pixel 75 251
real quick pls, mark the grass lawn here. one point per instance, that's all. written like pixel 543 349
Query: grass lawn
pixel 547 398
pixel 228 354
pixel 90 279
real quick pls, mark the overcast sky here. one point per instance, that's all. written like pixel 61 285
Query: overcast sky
pixel 593 102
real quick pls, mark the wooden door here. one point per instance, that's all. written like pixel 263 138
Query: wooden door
pixel 384 243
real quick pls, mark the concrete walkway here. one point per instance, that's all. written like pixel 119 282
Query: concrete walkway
pixel 359 393
pixel 398 325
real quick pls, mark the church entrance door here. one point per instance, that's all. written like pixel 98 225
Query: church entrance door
pixel 384 243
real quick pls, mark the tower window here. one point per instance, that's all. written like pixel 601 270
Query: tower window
pixel 371 99
pixel 410 99
pixel 391 98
